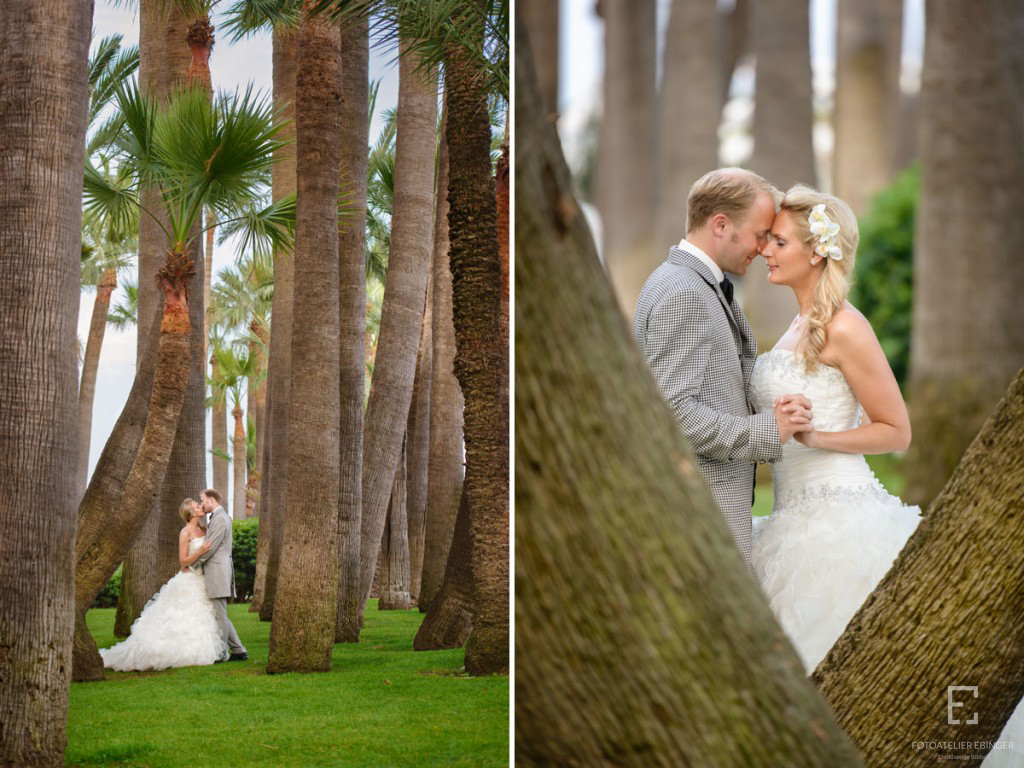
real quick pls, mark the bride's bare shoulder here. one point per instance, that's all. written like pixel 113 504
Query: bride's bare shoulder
pixel 848 325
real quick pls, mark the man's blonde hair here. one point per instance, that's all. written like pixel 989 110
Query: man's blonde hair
pixel 732 191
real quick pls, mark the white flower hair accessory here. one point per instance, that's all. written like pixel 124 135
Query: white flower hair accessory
pixel 827 232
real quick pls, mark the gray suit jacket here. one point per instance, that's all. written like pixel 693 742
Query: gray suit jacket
pixel 218 568
pixel 701 351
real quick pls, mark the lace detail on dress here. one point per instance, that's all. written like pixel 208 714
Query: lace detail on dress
pixel 799 500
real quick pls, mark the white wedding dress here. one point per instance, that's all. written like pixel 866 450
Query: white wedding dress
pixel 177 628
pixel 834 531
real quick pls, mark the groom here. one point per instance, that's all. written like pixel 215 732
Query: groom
pixel 219 570
pixel 701 348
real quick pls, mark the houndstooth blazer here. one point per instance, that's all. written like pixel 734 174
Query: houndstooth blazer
pixel 701 351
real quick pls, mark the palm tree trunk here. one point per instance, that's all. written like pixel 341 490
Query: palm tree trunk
pixel 685 666
pixel 355 130
pixel 44 93
pixel 211 221
pixel 626 181
pixel 969 233
pixel 886 675
pixel 733 29
pixel 153 558
pixel 540 18
pixel 783 147
pixel 219 430
pixel 867 98
pixel 690 111
pixel 306 603
pixel 449 618
pixel 90 366
pixel 444 480
pixel 238 461
pixel 418 450
pixel 112 512
pixel 394 552
pixel 258 407
pixel 481 357
pixel 263 536
pixel 286 52
pixel 394 369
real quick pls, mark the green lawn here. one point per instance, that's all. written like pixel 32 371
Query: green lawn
pixel 382 704
pixel 885 466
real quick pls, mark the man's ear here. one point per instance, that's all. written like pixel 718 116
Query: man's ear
pixel 718 224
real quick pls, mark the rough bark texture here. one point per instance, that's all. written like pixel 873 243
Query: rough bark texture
pixel 90 367
pixel 418 448
pixel 968 274
pixel 783 149
pixel 449 618
pixel 219 433
pixel 355 132
pixel 444 478
pixel 640 637
pixel 44 47
pixel 481 355
pixel 540 17
pixel 262 537
pixel 626 176
pixel 238 510
pixel 97 556
pixel 286 51
pixel 211 220
pixel 395 365
pixel 153 558
pixel 867 98
pixel 690 109
pixel 947 613
pixel 306 605
pixel 394 552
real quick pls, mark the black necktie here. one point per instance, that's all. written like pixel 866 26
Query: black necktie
pixel 726 286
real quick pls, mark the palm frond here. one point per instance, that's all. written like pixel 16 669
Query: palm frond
pixel 249 17
pixel 112 198
pixel 127 312
pixel 262 230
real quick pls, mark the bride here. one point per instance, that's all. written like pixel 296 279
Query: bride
pixel 834 531
pixel 177 627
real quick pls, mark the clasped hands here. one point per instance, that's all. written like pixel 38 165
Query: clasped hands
pixel 792 416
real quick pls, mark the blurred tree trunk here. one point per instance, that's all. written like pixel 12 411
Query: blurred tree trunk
pixel 164 63
pixel 306 602
pixel 685 665
pixel 418 448
pixel 90 367
pixel 626 174
pixel 355 130
pixel 44 93
pixel 394 553
pixel 969 234
pixel 886 675
pixel 219 433
pixel 238 464
pixel 733 39
pixel 444 480
pixel 541 21
pixel 783 149
pixel 867 98
pixel 690 110
pixel 387 411
pixel 274 480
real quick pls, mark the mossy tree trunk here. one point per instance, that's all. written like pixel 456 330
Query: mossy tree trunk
pixel 641 639
pixel 947 613
pixel 968 274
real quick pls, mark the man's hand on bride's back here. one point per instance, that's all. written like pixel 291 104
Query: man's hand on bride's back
pixel 793 414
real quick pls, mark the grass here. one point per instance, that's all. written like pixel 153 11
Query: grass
pixel 382 704
pixel 885 466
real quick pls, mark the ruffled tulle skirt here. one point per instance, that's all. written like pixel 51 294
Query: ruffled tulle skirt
pixel 177 628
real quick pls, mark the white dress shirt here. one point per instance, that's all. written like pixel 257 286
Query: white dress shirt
pixel 686 245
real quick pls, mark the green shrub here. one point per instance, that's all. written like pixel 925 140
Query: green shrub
pixel 885 264
pixel 107 598
pixel 244 534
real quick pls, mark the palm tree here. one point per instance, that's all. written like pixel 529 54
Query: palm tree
pixel 192 153
pixel 217 402
pixel 540 18
pixel 306 601
pixel 235 369
pixel 418 446
pixel 393 567
pixel 44 92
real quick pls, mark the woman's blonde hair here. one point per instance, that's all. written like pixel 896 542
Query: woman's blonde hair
pixel 185 510
pixel 837 274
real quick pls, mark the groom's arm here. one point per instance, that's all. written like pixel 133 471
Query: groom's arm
pixel 218 530
pixel 678 349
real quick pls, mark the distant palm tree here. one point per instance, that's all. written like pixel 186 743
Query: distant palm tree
pixel 216 401
pixel 235 368
pixel 193 153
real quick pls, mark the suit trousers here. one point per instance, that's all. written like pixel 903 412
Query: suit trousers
pixel 227 629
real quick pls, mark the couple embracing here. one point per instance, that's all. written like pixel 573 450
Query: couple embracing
pixel 186 623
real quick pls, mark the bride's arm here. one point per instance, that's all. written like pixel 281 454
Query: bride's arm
pixel 183 556
pixel 854 349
